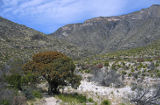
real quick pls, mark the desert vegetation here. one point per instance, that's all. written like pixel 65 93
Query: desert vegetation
pixel 74 66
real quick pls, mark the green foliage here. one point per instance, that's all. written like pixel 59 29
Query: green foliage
pixel 122 104
pixel 106 64
pixel 130 74
pixel 55 67
pixel 87 71
pixel 36 94
pixel 113 67
pixel 90 100
pixel 95 103
pixel 15 80
pixel 106 102
pixel 73 99
pixel 124 72
pixel 4 102
pixel 158 73
pixel 28 93
pixel 157 64
pixel 132 70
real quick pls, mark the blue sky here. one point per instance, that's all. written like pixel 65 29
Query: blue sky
pixel 48 15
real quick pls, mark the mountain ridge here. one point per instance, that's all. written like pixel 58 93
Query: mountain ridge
pixel 116 32
pixel 94 36
pixel 20 41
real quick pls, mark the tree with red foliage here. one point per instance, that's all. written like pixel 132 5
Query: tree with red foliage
pixel 56 68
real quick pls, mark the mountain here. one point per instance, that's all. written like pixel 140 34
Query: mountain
pixel 94 36
pixel 105 34
pixel 20 41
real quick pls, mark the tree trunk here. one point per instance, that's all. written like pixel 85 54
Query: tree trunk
pixel 53 88
pixel 50 89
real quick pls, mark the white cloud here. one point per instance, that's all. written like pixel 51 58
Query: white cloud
pixel 62 9
pixel 60 12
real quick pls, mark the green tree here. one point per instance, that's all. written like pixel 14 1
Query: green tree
pixel 14 75
pixel 56 68
pixel 17 81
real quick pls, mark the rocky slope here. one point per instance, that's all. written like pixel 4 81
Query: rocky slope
pixel 97 35
pixel 20 41
pixel 104 34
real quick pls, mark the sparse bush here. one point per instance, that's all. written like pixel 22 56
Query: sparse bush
pixel 130 74
pixel 113 67
pixel 157 64
pixel 36 94
pixel 4 102
pixel 123 63
pixel 106 64
pixel 28 93
pixel 132 70
pixel 95 103
pixel 11 97
pixel 146 95
pixel 112 77
pixel 158 73
pixel 143 74
pixel 74 99
pixel 124 72
pixel 90 100
pixel 135 75
pixel 15 81
pixel 106 102
pixel 87 71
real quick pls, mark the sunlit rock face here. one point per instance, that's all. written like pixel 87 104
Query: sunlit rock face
pixel 104 34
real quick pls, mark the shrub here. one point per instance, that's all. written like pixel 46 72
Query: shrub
pixel 130 74
pixel 28 93
pixel 124 72
pixel 4 102
pixel 145 95
pixel 158 73
pixel 113 67
pixel 87 71
pixel 74 99
pixel 36 94
pixel 112 77
pixel 11 97
pixel 90 100
pixel 106 64
pixel 106 102
pixel 15 81
pixel 132 70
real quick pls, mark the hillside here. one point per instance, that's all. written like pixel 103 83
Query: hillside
pixel 105 34
pixel 136 63
pixel 20 41
pixel 94 36
pixel 116 61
